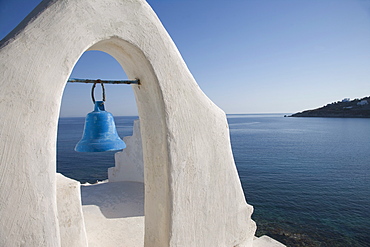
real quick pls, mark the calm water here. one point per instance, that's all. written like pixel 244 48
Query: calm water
pixel 307 178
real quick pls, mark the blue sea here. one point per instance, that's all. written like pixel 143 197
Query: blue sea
pixel 307 178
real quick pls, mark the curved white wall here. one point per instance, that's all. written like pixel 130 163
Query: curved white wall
pixel 193 195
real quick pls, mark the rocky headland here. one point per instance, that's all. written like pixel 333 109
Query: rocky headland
pixel 357 108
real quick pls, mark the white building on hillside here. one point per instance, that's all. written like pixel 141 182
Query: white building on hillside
pixel 363 102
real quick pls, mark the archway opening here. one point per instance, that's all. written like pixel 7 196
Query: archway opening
pixel 102 200
pixel 76 103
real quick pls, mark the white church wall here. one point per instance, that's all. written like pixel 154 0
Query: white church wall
pixel 193 196
pixel 70 217
pixel 129 163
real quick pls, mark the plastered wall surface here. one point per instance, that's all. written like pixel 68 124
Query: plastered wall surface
pixel 70 217
pixel 129 163
pixel 193 196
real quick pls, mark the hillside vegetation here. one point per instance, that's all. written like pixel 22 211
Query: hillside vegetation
pixel 357 108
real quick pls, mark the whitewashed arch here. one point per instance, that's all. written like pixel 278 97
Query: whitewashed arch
pixel 193 195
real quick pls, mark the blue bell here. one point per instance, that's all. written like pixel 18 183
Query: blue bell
pixel 100 132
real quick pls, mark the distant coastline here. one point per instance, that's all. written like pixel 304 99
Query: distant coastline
pixel 357 108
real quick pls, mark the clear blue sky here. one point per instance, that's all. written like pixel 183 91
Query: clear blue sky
pixel 248 56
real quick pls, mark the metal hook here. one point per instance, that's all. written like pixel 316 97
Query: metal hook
pixel 93 87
